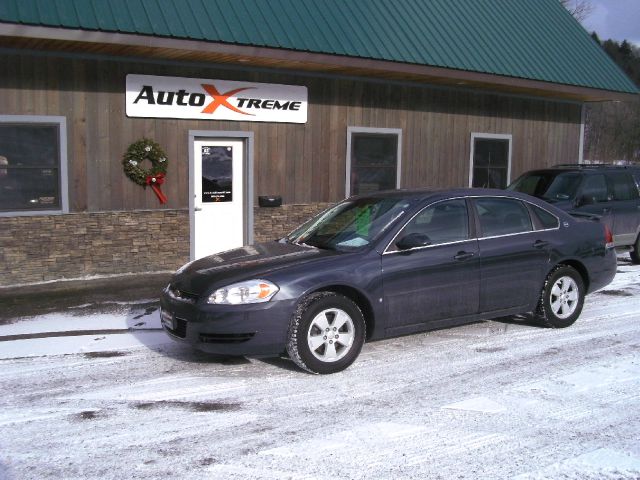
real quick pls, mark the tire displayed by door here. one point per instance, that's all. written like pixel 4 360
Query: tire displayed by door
pixel 562 298
pixel 635 255
pixel 326 333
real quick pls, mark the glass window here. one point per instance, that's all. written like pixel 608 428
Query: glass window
pixel 623 186
pixel 552 186
pixel 444 222
pixel 547 220
pixel 30 167
pixel 490 163
pixel 502 216
pixel 373 162
pixel 350 225
pixel 595 188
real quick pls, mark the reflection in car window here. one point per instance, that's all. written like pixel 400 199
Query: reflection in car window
pixel 595 188
pixel 502 216
pixel 547 220
pixel 551 186
pixel 443 222
pixel 562 187
pixel 350 225
pixel 624 187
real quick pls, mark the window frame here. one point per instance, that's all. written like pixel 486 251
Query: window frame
pixel 490 136
pixel 369 130
pixel 45 120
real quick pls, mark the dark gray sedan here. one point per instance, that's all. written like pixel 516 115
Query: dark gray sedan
pixel 389 264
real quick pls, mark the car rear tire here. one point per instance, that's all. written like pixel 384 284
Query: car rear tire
pixel 635 254
pixel 326 333
pixel 562 298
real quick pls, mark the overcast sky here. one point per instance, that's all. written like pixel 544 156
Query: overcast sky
pixel 615 19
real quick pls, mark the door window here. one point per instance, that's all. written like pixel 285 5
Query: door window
pixel 595 188
pixel 444 222
pixel 623 186
pixel 502 216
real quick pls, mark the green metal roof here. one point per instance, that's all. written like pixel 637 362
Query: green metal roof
pixel 529 39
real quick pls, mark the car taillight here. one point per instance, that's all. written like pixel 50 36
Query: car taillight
pixel 608 237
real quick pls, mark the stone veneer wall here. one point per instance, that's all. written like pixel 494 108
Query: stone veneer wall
pixel 273 223
pixel 53 247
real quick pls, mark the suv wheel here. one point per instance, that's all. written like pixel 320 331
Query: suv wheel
pixel 635 254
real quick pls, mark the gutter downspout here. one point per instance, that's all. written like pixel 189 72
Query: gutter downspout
pixel 583 113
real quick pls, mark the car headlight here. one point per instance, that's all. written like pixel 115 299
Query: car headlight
pixel 251 291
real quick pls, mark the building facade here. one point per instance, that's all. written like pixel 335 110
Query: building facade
pixel 236 169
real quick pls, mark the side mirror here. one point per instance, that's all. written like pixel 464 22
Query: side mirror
pixel 413 240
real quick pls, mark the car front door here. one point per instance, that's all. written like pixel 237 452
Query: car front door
pixel 594 198
pixel 430 270
pixel 512 254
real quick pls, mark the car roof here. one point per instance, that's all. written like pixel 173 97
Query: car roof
pixel 576 167
pixel 424 194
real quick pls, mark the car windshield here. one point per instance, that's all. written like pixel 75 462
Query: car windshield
pixel 550 186
pixel 350 225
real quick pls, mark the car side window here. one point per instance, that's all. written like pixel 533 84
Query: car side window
pixel 595 188
pixel 546 220
pixel 623 186
pixel 443 222
pixel 502 216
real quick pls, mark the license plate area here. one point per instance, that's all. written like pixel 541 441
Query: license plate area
pixel 168 320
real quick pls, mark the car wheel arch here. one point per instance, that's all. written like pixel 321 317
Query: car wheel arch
pixel 577 266
pixel 356 297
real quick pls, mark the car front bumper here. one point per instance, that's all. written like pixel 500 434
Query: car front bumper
pixel 253 330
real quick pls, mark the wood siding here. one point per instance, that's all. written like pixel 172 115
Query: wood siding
pixel 305 163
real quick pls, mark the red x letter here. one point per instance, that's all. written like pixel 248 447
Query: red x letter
pixel 221 99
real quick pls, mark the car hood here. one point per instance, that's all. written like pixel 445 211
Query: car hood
pixel 252 261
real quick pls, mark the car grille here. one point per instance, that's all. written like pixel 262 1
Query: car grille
pixel 181 328
pixel 226 337
pixel 182 295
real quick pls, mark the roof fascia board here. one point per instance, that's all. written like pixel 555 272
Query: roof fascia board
pixel 382 66
pixel 298 73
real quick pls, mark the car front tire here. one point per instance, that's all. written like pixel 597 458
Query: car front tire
pixel 326 333
pixel 562 298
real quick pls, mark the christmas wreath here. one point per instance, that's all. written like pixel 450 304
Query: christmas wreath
pixel 135 155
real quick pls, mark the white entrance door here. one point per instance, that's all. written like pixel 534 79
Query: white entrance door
pixel 217 207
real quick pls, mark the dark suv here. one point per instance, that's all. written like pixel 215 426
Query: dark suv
pixel 609 191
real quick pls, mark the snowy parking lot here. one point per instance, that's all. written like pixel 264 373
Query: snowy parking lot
pixel 103 393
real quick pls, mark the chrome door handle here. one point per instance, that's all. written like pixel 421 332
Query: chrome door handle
pixel 197 209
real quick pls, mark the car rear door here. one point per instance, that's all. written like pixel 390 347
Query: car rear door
pixel 436 281
pixel 513 256
pixel 594 197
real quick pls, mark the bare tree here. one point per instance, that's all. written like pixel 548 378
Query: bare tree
pixel 580 9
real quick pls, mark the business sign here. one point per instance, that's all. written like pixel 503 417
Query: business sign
pixel 198 98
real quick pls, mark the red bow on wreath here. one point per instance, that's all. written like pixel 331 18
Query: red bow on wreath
pixel 155 181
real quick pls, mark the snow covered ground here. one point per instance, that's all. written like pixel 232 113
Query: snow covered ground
pixel 106 395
